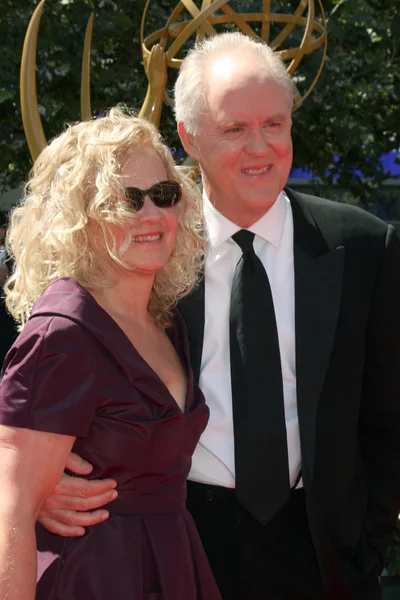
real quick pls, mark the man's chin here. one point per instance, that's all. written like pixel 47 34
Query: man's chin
pixel 262 202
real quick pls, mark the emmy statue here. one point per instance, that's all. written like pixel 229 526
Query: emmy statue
pixel 161 49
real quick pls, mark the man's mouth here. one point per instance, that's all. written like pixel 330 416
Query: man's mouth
pixel 259 171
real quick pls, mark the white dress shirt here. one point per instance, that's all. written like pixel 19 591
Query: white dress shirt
pixel 213 461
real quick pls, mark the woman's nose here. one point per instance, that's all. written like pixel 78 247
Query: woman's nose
pixel 149 210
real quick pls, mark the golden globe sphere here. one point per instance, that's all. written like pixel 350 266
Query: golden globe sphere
pixel 192 20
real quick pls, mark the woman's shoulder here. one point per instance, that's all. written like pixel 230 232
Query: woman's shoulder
pixel 75 314
pixel 50 335
pixel 64 297
pixel 71 306
pixel 57 320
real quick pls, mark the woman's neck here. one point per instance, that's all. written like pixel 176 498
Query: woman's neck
pixel 128 297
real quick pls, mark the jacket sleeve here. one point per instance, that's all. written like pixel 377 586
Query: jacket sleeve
pixel 379 425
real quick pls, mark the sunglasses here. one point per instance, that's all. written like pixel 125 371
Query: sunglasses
pixel 163 194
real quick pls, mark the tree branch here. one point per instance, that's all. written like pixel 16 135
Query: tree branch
pixel 335 8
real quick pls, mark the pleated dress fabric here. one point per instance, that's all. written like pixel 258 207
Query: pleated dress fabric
pixel 73 371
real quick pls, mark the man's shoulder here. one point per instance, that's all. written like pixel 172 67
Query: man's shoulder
pixel 346 218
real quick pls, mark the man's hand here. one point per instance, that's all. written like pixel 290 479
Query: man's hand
pixel 64 512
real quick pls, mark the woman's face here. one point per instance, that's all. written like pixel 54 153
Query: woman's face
pixel 152 230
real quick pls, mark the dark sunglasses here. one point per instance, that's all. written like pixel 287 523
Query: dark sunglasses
pixel 163 194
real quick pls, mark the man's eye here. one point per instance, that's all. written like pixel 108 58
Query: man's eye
pixel 234 130
pixel 272 125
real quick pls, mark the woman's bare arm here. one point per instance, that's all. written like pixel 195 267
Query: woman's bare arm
pixel 31 464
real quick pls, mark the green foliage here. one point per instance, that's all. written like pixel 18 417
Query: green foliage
pixel 353 113
pixel 117 73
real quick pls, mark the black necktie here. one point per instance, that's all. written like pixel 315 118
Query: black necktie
pixel 261 455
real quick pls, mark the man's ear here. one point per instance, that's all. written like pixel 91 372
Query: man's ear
pixel 188 141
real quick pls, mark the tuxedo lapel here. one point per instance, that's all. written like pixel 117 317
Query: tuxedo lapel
pixel 318 271
pixel 191 308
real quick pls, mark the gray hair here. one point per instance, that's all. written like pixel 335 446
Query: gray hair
pixel 189 86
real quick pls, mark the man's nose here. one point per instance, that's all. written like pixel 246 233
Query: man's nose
pixel 257 144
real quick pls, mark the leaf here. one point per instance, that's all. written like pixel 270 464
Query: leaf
pixel 5 95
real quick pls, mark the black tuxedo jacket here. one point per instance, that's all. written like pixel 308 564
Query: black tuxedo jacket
pixel 347 319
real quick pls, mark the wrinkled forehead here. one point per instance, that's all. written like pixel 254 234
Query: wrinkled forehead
pixel 241 75
pixel 245 97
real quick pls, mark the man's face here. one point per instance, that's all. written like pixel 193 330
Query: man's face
pixel 243 144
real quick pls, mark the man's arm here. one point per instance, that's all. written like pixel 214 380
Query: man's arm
pixel 379 430
pixel 66 510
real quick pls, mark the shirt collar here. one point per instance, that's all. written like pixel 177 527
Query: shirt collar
pixel 269 227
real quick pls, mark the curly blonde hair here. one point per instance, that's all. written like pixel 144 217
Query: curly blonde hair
pixel 76 182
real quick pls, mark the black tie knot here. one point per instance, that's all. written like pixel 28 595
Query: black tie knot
pixel 244 239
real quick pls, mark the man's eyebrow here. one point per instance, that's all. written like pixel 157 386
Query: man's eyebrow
pixel 233 123
pixel 277 117
pixel 238 123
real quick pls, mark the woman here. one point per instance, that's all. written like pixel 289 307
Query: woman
pixel 105 243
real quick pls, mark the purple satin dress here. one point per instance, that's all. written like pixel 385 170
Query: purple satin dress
pixel 73 371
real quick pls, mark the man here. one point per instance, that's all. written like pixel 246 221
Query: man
pixel 295 339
